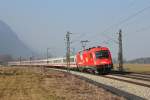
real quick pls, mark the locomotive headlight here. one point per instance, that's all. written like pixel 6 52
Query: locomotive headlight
pixel 103 62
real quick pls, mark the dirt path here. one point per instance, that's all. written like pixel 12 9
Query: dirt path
pixel 31 84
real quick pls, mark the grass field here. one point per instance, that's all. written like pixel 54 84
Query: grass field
pixel 140 68
pixel 37 84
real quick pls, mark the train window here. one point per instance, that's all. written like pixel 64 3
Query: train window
pixel 71 59
pixel 64 60
pixel 102 54
pixel 50 61
pixel 57 61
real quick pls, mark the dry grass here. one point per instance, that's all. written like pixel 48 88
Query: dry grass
pixel 141 68
pixel 32 84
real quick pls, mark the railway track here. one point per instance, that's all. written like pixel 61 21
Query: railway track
pixel 141 75
pixel 138 76
pixel 134 77
pixel 129 80
pixel 130 88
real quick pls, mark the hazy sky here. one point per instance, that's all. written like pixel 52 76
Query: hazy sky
pixel 43 24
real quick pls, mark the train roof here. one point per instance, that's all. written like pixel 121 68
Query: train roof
pixel 95 48
pixel 56 58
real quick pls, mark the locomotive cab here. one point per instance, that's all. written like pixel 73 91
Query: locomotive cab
pixel 103 60
pixel 103 57
pixel 97 59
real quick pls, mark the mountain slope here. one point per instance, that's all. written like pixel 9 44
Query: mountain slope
pixel 10 43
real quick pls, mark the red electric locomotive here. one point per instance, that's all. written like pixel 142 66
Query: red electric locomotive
pixel 96 60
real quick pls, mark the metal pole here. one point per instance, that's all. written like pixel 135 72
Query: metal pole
pixel 47 55
pixel 68 50
pixel 120 53
pixel 30 60
pixel 83 43
pixel 20 60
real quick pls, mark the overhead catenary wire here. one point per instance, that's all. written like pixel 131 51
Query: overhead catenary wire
pixel 78 38
pixel 143 29
pixel 114 25
pixel 123 21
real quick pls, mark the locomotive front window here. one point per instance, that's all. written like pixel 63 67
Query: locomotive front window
pixel 102 54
